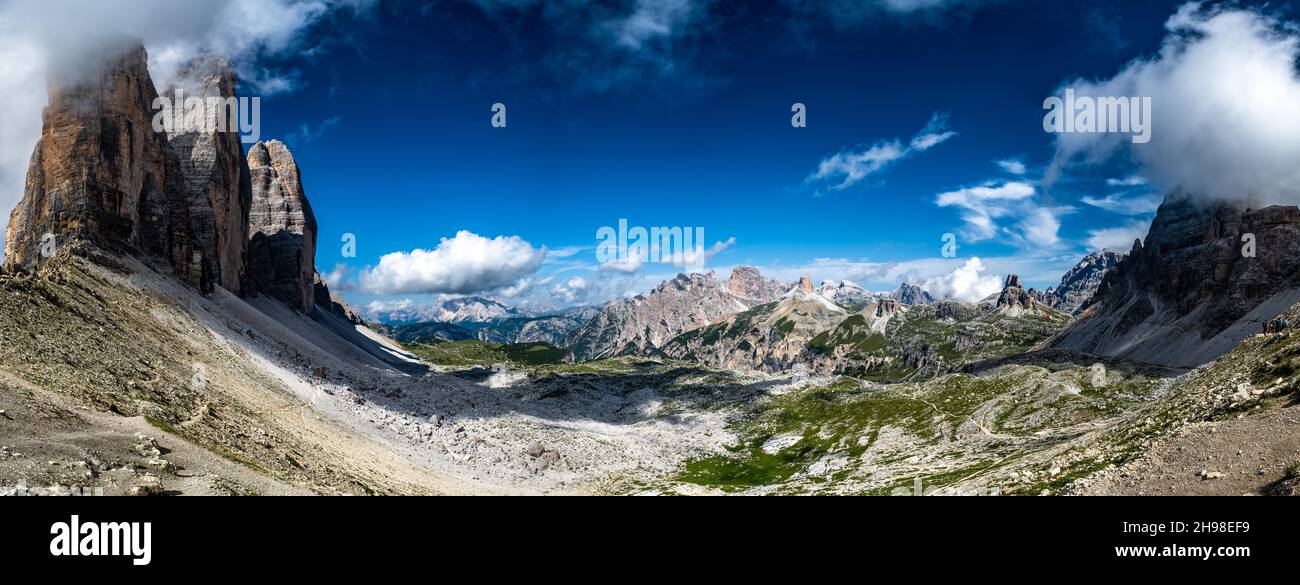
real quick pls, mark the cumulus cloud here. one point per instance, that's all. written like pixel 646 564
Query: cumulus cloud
pixel 38 37
pixel 465 264
pixel 1225 118
pixel 571 290
pixel 1119 238
pixel 966 283
pixel 336 278
pixel 850 167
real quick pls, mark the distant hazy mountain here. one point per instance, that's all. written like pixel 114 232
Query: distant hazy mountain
pixel 463 310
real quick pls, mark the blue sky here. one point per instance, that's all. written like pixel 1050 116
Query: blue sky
pixel 686 122
pixel 677 113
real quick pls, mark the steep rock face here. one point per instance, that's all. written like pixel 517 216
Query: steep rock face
pixel 911 294
pixel 101 174
pixel 1188 294
pixel 644 323
pixel 747 283
pixel 215 173
pixel 281 228
pixel 331 303
pixel 1014 299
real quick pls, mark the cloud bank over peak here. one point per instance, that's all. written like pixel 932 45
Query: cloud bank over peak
pixel 1225 117
pixel 38 37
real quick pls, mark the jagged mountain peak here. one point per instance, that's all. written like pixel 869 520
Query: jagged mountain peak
pixel 644 323
pixel 911 294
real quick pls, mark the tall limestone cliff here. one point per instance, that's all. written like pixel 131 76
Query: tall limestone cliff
pixel 281 228
pixel 100 174
pixel 1194 289
pixel 216 179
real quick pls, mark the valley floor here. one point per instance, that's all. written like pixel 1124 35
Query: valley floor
pixel 113 376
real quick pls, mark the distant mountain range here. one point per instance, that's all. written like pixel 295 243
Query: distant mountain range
pixel 751 322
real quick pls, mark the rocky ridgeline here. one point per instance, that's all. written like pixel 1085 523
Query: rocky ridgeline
pixel 1079 283
pixel 190 201
pixel 771 337
pixel 644 323
pixel 1189 294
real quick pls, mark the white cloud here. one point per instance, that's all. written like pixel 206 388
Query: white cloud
pixel 1129 181
pixel 1225 120
pixel 1119 238
pixel 466 264
pixel 697 258
pixel 524 285
pixel 336 278
pixel 652 19
pixel 1122 203
pixel 38 36
pixel 631 263
pixel 966 283
pixel 1012 166
pixel 987 206
pixel 850 167
pixel 571 290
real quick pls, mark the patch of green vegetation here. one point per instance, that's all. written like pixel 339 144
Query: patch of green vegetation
pixel 480 353
pixel 852 332
pixel 534 353
pixel 1292 471
pixel 840 419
